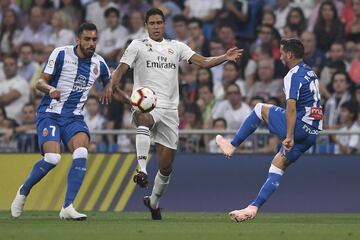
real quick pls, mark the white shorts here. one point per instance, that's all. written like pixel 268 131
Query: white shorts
pixel 166 128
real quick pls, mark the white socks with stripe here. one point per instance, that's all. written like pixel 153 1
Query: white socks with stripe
pixel 142 146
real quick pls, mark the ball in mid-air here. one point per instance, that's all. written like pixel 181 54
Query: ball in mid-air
pixel 143 99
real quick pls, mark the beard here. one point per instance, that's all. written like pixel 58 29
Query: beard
pixel 87 52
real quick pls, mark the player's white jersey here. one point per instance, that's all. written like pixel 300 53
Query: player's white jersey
pixel 156 66
pixel 73 77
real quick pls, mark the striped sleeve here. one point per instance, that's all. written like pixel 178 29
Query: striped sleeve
pixel 55 61
pixel 292 85
pixel 104 73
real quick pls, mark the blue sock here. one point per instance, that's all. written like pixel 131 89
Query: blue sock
pixel 74 180
pixel 269 187
pixel 40 169
pixel 249 126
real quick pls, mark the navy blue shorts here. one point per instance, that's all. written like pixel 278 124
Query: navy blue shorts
pixel 304 134
pixel 53 127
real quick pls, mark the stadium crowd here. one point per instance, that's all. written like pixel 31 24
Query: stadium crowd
pixel 219 98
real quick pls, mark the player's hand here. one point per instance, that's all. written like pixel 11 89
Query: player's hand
pixel 107 94
pixel 55 94
pixel 122 96
pixel 234 54
pixel 288 143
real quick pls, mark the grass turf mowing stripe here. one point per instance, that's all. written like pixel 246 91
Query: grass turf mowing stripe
pixel 119 178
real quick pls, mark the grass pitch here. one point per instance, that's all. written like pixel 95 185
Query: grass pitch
pixel 137 225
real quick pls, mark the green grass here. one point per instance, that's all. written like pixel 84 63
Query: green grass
pixel 123 226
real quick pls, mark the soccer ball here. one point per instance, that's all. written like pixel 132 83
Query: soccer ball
pixel 143 99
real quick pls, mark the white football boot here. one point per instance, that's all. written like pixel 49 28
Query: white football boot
pixel 225 145
pixel 242 215
pixel 69 213
pixel 18 203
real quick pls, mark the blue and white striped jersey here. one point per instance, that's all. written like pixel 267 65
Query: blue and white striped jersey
pixel 302 84
pixel 73 77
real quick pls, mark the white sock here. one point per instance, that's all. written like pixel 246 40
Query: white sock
pixel 160 184
pixel 142 146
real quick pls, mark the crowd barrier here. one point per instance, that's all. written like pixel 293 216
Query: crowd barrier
pixel 200 182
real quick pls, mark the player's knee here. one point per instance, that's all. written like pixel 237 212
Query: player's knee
pixel 166 170
pixel 144 119
pixel 80 152
pixel 53 158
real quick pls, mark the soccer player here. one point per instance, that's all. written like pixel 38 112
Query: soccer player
pixel 156 63
pixel 299 124
pixel 69 74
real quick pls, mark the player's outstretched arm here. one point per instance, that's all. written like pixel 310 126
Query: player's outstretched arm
pixel 288 143
pixel 233 54
pixel 114 84
pixel 44 86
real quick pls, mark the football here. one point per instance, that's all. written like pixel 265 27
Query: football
pixel 143 99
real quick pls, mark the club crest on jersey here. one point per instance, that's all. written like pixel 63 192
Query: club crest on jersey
pixel 149 46
pixel 95 70
pixel 51 63
pixel 170 51
pixel 45 132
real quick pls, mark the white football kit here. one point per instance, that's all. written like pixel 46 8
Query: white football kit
pixel 156 66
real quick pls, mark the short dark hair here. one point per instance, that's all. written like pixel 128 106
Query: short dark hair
pixel 220 120
pixel 293 45
pixel 27 44
pixel 352 108
pixel 179 18
pixel 86 27
pixel 152 12
pixel 110 11
pixel 195 20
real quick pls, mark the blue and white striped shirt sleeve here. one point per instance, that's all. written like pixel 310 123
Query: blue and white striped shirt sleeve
pixel 55 60
pixel 104 73
pixel 292 85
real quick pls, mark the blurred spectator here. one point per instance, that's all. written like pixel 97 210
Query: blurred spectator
pixel 194 142
pixel 230 76
pixel 47 7
pixel 353 27
pixel 137 29
pixel 3 117
pixel 227 35
pixel 8 5
pixel 36 32
pixel 354 70
pixel 180 28
pixel 357 101
pixel 197 40
pixel 296 20
pixel 206 12
pixel 315 12
pixel 94 120
pixel 235 12
pixel 113 38
pixel 60 35
pixel 74 12
pixel 204 77
pixel 217 124
pixel 14 91
pixel 282 10
pixel 234 110
pixel 340 83
pixel 291 31
pixel 328 27
pixel 126 142
pixel 132 5
pixel 306 6
pixel 349 143
pixel 267 35
pixel 206 102
pixel 217 48
pixel 24 140
pixel 267 86
pixel 27 66
pixel 170 9
pixel 95 13
pixel 255 100
pixel 9 31
pixel 312 56
pixel 268 18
